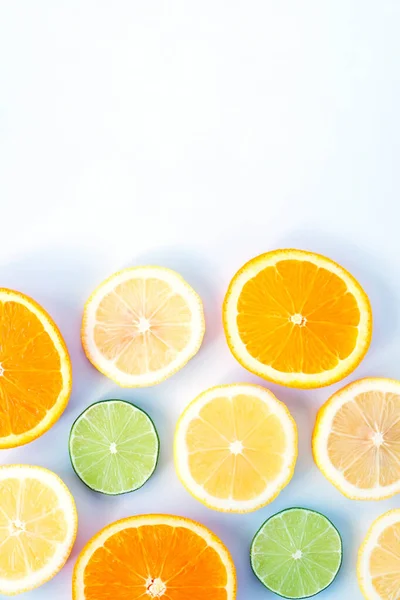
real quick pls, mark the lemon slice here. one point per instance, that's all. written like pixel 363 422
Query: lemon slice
pixel 356 439
pixel 378 568
pixel 142 325
pixel 235 447
pixel 38 524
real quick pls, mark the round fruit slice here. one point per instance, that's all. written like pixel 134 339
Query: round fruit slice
pixel 154 556
pixel 297 319
pixel 297 553
pixel 378 567
pixel 142 325
pixel 38 524
pixel 35 370
pixel 113 447
pixel 236 447
pixel 356 440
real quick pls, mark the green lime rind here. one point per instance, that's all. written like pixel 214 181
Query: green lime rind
pixel 296 553
pixel 114 447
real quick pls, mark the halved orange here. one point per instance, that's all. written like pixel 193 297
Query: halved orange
pixel 142 325
pixel 235 447
pixel 378 567
pixel 35 370
pixel 297 318
pixel 154 556
pixel 38 524
pixel 356 440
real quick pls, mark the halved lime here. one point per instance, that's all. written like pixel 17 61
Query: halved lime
pixel 113 446
pixel 297 553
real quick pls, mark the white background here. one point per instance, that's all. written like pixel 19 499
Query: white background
pixel 196 135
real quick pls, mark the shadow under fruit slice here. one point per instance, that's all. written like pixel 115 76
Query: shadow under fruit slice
pixel 38 524
pixel 154 556
pixel 356 439
pixel 297 318
pixel 235 447
pixel 142 325
pixel 113 447
pixel 378 567
pixel 297 553
pixel 35 370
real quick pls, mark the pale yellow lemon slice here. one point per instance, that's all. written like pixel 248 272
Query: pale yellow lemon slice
pixel 235 447
pixel 142 325
pixel 356 440
pixel 378 568
pixel 38 523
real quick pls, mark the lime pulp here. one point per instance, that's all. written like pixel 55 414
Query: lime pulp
pixel 113 447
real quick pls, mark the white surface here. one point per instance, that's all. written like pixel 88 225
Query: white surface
pixel 196 135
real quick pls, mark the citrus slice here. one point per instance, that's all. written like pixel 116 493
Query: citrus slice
pixel 35 370
pixel 378 567
pixel 142 325
pixel 297 319
pixel 38 524
pixel 154 556
pixel 297 553
pixel 356 440
pixel 113 447
pixel 235 447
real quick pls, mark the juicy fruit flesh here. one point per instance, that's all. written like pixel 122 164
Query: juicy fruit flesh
pixel 142 325
pixel 32 525
pixel 364 443
pixel 155 561
pixel 297 553
pixel 384 564
pixel 236 446
pixel 114 447
pixel 30 376
pixel 298 318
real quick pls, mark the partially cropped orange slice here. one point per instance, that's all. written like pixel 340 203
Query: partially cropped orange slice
pixel 235 447
pixel 35 370
pixel 356 440
pixel 142 325
pixel 297 318
pixel 154 556
pixel 378 568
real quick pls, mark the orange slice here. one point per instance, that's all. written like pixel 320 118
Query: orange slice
pixel 35 370
pixel 297 318
pixel 154 556
pixel 38 524
pixel 356 440
pixel 142 325
pixel 235 447
pixel 378 568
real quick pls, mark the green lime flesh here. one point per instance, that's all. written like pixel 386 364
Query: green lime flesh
pixel 113 446
pixel 297 553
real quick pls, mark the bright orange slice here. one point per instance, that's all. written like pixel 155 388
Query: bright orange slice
pixel 38 524
pixel 235 447
pixel 297 318
pixel 378 568
pixel 356 440
pixel 35 370
pixel 154 556
pixel 142 325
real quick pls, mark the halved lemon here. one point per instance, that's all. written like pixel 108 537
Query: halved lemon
pixel 235 447
pixel 38 523
pixel 142 325
pixel 154 556
pixel 35 370
pixel 297 318
pixel 356 439
pixel 378 568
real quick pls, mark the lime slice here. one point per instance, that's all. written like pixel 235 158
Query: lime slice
pixel 113 447
pixel 297 553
